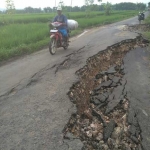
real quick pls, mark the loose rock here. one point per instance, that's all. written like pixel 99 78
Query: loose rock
pixel 108 130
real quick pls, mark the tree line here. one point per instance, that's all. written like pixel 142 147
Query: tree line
pixel 86 7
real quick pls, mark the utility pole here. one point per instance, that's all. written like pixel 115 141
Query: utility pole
pixel 54 8
pixel 55 3
pixel 71 6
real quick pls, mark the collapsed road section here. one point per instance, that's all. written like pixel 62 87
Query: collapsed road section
pixel 102 120
pixel 139 27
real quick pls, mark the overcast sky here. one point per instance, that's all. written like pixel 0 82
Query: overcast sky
pixel 19 4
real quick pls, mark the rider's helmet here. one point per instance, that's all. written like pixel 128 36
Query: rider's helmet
pixel 59 8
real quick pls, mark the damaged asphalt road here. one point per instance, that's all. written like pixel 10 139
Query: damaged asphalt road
pixel 35 107
pixel 104 118
pixel 137 72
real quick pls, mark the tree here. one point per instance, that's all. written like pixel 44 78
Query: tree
pixel 45 9
pixel 95 7
pixel 148 6
pixel 48 9
pixel 76 9
pixel 83 8
pixel 10 7
pixel 88 4
pixel 61 4
pixel 54 9
pixel 108 8
pixel 29 10
pixel 102 7
pixel 141 6
pixel 125 6
pixel 99 1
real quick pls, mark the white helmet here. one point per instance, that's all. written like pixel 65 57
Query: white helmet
pixel 59 8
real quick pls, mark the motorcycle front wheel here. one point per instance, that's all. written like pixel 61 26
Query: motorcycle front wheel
pixel 66 45
pixel 52 46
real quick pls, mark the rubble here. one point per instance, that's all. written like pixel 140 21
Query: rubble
pixel 139 27
pixel 102 121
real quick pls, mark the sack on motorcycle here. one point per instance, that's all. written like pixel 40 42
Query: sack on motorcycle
pixel 72 24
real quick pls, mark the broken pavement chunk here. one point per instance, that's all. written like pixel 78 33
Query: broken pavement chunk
pixel 104 85
pixel 95 101
pixel 96 114
pixel 132 130
pixel 134 139
pixel 102 97
pixel 111 70
pixel 108 130
pixel 116 79
pixel 114 99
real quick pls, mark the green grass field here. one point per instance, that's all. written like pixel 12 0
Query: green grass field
pixel 147 20
pixel 147 34
pixel 25 33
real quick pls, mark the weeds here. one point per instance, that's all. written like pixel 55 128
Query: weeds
pixel 147 33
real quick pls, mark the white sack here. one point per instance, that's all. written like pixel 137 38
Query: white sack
pixel 72 24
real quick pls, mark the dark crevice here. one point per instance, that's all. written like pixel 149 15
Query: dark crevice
pixel 101 98
pixel 75 52
pixel 66 61
pixel 61 64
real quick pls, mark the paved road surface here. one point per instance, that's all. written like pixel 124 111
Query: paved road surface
pixel 34 106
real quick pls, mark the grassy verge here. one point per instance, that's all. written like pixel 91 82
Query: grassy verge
pixel 147 33
pixel 24 34
pixel 6 54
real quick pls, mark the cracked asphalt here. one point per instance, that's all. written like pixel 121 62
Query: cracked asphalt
pixel 137 70
pixel 34 106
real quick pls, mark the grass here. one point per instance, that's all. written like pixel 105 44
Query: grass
pixel 147 20
pixel 147 33
pixel 26 33
pixel 18 34
pixel 22 49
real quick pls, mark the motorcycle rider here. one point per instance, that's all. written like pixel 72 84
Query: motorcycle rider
pixel 62 19
pixel 143 15
pixel 139 17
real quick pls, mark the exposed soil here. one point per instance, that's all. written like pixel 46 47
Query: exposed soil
pixel 102 118
pixel 139 27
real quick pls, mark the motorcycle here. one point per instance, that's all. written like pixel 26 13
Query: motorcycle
pixel 141 17
pixel 56 39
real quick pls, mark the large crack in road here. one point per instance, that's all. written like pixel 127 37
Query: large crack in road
pixel 65 64
pixel 103 120
pixel 139 28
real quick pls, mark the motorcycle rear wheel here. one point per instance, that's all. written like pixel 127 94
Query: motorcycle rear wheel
pixel 52 46
pixel 66 47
